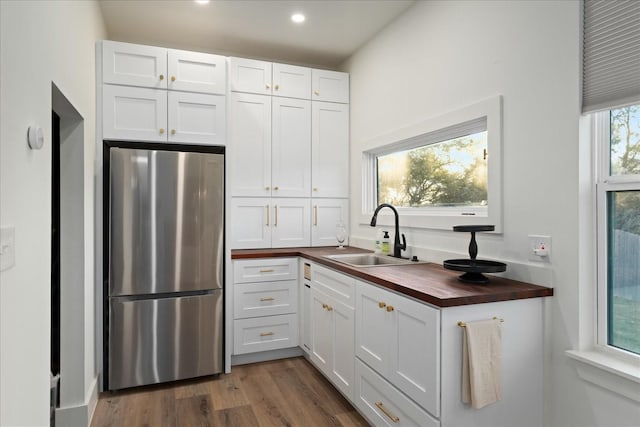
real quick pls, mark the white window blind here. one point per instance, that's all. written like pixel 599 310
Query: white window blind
pixel 611 56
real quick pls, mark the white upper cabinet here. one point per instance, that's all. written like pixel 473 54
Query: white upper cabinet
pixel 330 149
pixel 291 148
pixel 331 86
pixel 197 118
pixel 134 113
pixel 135 65
pixel 156 67
pixel 196 72
pixel 291 223
pixel 291 81
pixel 326 214
pixel 249 75
pixel 250 144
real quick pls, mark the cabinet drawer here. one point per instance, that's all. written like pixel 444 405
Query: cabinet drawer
pixel 265 333
pixel 334 284
pixel 265 298
pixel 384 405
pixel 265 270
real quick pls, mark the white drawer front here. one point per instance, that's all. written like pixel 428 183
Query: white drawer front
pixel 265 298
pixel 337 285
pixel 265 270
pixel 384 405
pixel 265 333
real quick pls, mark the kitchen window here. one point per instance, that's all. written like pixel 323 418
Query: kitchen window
pixel 617 134
pixel 442 172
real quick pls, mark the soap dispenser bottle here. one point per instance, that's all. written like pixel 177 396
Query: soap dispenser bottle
pixel 378 245
pixel 386 250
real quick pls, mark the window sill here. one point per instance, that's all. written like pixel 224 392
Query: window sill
pixel 608 371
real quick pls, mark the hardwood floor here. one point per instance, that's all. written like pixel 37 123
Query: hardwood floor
pixel 288 392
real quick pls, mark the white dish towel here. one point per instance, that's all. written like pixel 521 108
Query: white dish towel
pixel 482 363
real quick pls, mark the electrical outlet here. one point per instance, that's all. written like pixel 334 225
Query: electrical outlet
pixel 539 248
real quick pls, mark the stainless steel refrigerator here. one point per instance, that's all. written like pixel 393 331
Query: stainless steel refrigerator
pixel 165 264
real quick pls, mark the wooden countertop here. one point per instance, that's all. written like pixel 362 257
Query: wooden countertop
pixel 427 282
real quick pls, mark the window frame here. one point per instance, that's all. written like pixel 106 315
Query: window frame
pixel 431 131
pixel 605 183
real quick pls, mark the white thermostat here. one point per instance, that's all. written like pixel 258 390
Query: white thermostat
pixel 35 137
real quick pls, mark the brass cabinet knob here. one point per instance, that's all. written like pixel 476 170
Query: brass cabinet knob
pixel 382 304
pixel 268 86
pixel 390 308
pixel 161 76
pixel 277 87
pixel 267 188
pixel 317 92
pixel 173 78
pixel 329 308
pixel 275 188
pixel 161 131
pixel 315 188
pixel 173 131
pixel 324 306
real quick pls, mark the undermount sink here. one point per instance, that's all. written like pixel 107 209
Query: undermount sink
pixel 369 260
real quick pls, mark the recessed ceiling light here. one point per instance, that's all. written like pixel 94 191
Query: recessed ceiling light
pixel 202 1
pixel 298 18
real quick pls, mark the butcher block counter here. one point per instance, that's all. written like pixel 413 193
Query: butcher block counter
pixel 426 282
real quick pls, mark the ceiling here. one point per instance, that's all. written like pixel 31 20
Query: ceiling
pixel 261 29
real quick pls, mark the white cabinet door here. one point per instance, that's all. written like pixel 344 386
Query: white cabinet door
pixel 305 315
pixel 135 65
pixel 250 223
pixel 291 223
pixel 291 81
pixel 196 72
pixel 373 326
pixel 133 113
pixel 330 149
pixel 250 145
pixel 326 214
pixel 321 331
pixel 249 75
pixel 197 118
pixel 331 86
pixel 291 148
pixel 415 352
pixel 342 359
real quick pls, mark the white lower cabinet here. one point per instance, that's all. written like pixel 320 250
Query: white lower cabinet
pixel 332 338
pixel 384 405
pixel 265 302
pixel 400 339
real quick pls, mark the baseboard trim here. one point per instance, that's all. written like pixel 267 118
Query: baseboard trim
pixel 263 356
pixel 79 416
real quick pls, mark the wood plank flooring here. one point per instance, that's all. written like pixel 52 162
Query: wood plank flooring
pixel 287 392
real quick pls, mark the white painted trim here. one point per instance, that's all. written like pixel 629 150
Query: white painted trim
pixel 443 219
pixel 263 356
pixel 609 372
pixel 79 415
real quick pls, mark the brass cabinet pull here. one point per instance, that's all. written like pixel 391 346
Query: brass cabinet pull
pixel 275 223
pixel 317 92
pixel 161 76
pixel 173 78
pixel 390 308
pixel 161 131
pixel 266 299
pixel 173 131
pixel 382 304
pixel 266 334
pixel 329 308
pixel 324 306
pixel 268 214
pixel 315 215
pixel 387 413
pixel 266 270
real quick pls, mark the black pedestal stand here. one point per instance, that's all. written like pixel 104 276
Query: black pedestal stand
pixel 473 267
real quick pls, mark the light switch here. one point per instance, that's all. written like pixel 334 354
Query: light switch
pixel 7 248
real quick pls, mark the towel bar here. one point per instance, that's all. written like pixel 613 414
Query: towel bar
pixel 464 325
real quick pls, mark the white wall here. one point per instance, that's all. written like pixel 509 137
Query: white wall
pixel 40 42
pixel 440 56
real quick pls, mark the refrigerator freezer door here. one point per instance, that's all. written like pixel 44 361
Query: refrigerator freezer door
pixel 166 221
pixel 157 340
